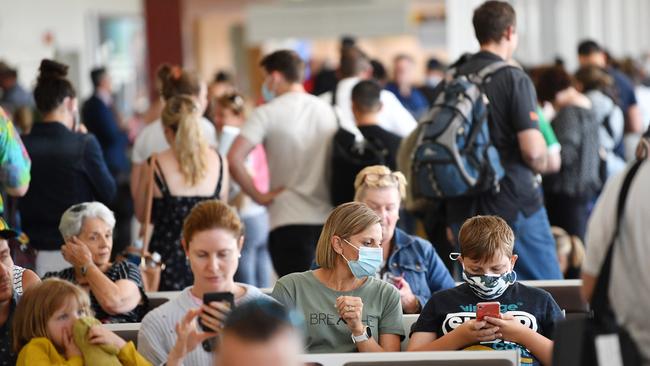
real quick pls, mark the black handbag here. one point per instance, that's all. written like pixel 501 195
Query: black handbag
pixel 575 339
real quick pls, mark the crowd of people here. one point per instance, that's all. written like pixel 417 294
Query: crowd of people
pixel 227 198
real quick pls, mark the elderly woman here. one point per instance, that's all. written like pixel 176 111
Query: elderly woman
pixel 410 263
pixel 347 309
pixel 212 241
pixel 116 289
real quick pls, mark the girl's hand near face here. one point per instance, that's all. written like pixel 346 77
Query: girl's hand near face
pixel 70 348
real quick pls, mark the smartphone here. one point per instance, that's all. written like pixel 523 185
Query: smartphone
pixel 209 297
pixel 491 309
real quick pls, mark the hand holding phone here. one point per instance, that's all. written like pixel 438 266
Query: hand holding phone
pixel 213 317
pixel 491 309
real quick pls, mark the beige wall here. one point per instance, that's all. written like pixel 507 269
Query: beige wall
pixel 208 44
pixel 213 49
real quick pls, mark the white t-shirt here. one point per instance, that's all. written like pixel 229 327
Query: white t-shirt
pixel 296 130
pixel 629 288
pixel 392 117
pixel 151 139
pixel 157 334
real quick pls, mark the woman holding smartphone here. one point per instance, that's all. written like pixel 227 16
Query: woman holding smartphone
pixel 212 241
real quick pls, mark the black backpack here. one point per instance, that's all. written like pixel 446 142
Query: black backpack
pixel 350 154
pixel 453 155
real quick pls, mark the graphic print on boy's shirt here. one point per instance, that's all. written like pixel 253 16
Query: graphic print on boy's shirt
pixel 449 309
pixel 454 320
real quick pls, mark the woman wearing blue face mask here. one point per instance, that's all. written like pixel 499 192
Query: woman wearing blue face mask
pixel 345 307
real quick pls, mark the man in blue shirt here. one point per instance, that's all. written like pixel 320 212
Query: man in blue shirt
pixel 101 118
pixel 98 114
pixel 404 89
pixel 591 53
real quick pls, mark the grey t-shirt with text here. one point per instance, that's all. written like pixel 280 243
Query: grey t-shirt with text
pixel 326 331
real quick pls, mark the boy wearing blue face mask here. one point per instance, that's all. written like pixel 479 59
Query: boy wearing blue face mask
pixel 528 314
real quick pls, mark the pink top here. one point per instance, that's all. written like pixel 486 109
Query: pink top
pixel 260 168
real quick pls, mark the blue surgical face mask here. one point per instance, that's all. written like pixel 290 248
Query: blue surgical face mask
pixel 368 262
pixel 489 287
pixel 267 94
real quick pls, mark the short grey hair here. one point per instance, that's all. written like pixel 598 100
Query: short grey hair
pixel 73 218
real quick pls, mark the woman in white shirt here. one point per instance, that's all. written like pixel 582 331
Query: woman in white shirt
pixel 212 240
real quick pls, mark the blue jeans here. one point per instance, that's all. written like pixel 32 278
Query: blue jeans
pixel 255 267
pixel 535 246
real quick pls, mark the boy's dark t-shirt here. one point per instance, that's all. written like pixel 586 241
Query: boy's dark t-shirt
pixel 379 137
pixel 533 307
pixel 512 109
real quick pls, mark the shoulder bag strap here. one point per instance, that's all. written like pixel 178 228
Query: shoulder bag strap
pixel 333 104
pixel 148 206
pixel 220 181
pixel 600 301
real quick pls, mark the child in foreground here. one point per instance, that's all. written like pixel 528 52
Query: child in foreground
pixel 43 328
pixel 527 314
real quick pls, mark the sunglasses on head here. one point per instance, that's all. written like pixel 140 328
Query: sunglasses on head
pixel 374 177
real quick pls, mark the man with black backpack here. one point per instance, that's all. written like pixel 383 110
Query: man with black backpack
pixel 488 171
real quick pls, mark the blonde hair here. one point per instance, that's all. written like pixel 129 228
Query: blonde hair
pixel 569 245
pixel 37 305
pixel 481 238
pixel 378 176
pixel 211 214
pixel 344 221
pixel 181 115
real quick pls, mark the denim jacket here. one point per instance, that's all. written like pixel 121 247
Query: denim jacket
pixel 417 260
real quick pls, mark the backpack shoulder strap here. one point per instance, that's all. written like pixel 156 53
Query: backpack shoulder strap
pixel 490 69
pixel 333 104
